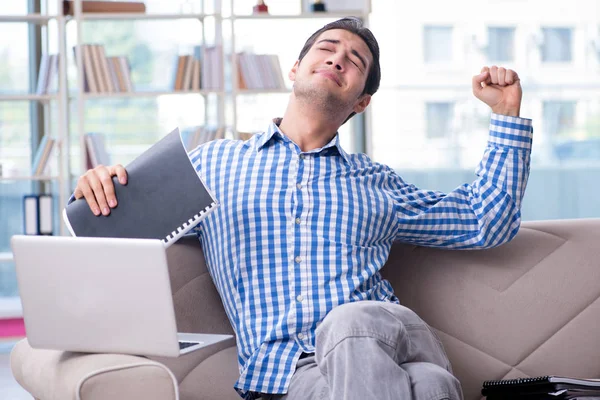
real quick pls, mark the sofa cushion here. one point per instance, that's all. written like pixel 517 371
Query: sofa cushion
pixel 213 378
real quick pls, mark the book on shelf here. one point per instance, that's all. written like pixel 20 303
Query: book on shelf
pixel 197 71
pixel 177 80
pixel 38 215
pixel 541 387
pixel 120 72
pixel 85 58
pixel 104 67
pixel 94 6
pixel 164 198
pixel 211 58
pixel 47 81
pixel 97 67
pixel 95 144
pixel 104 74
pixel 259 71
pixel 194 136
pixel 125 71
pixel 42 155
pixel 187 76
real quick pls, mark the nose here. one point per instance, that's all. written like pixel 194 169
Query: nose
pixel 337 65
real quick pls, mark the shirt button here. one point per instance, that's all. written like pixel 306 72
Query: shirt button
pixel 298 259
pixel 301 336
pixel 299 298
pixel 302 156
pixel 299 186
pixel 298 221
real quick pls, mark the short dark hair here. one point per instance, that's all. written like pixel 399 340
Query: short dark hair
pixel 354 25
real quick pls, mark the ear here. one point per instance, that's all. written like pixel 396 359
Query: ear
pixel 292 73
pixel 363 102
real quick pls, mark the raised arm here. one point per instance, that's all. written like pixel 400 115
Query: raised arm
pixel 485 213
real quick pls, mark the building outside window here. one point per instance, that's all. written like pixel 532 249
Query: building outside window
pixel 501 45
pixel 558 117
pixel 439 119
pixel 557 45
pixel 437 42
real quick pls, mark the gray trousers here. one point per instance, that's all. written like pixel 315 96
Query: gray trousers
pixel 373 350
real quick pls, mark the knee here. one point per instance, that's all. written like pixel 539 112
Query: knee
pixel 432 382
pixel 365 314
pixel 372 319
pixel 348 317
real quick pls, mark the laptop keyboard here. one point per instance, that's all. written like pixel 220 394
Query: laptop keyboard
pixel 185 345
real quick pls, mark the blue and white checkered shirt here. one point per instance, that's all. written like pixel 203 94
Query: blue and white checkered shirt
pixel 299 233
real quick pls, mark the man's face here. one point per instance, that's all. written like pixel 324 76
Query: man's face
pixel 334 71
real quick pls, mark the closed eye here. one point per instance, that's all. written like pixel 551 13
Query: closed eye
pixel 355 64
pixel 349 59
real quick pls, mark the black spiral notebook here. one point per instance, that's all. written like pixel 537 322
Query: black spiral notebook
pixel 542 388
pixel 164 198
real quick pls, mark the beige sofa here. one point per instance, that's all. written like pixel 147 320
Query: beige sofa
pixel 530 307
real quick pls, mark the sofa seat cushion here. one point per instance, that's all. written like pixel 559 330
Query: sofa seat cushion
pixel 213 378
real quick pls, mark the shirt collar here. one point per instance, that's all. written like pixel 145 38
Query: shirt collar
pixel 274 131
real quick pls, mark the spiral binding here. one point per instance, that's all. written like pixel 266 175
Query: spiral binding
pixel 185 227
pixel 518 381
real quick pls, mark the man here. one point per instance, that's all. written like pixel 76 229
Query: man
pixel 304 228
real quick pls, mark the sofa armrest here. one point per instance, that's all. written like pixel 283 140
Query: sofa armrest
pixel 58 375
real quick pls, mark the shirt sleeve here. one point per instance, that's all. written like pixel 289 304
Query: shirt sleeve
pixel 483 214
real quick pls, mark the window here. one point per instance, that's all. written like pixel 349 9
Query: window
pixel 439 119
pixel 404 116
pixel 559 117
pixel 437 43
pixel 557 46
pixel 501 44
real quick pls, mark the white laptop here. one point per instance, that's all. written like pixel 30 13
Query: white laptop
pixel 100 295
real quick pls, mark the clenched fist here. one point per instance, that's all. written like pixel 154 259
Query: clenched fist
pixel 500 89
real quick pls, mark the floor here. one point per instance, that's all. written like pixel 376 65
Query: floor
pixel 9 388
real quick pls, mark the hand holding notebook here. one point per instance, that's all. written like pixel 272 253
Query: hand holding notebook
pixel 164 198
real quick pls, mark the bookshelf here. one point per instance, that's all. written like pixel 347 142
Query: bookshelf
pixel 80 98
pixel 29 178
pixel 29 97
pixel 53 107
pixel 302 15
pixel 138 16
pixel 37 18
pixel 148 93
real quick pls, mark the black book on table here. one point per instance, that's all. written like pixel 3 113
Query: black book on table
pixel 164 198
pixel 542 388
